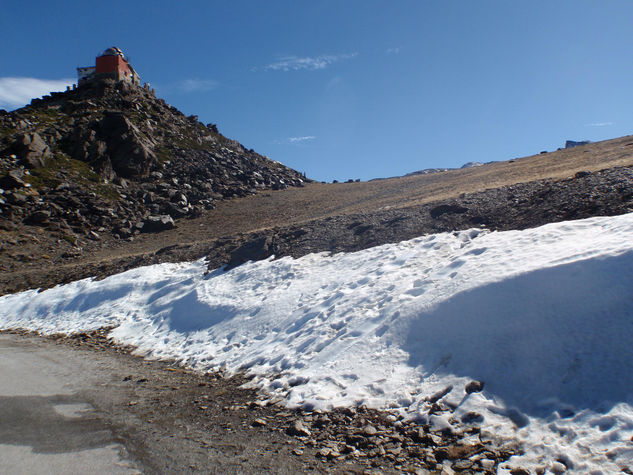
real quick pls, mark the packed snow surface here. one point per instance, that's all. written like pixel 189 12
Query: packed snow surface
pixel 544 317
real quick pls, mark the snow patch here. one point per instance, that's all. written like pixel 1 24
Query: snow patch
pixel 544 317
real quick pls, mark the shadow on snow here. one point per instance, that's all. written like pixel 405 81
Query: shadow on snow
pixel 540 341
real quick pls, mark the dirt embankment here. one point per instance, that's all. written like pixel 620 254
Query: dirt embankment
pixel 258 228
pixel 585 181
pixel 519 206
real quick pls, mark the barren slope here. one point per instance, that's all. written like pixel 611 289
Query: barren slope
pixel 30 258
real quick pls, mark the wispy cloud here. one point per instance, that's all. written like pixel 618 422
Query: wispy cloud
pixel 18 91
pixel 301 139
pixel 599 124
pixel 197 85
pixel 295 140
pixel 393 50
pixel 307 63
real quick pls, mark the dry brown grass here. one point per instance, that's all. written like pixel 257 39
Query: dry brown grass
pixel 320 200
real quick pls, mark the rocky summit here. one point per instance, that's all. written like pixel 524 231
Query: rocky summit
pixel 109 157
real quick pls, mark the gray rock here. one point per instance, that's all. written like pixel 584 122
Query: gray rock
pixel 154 224
pixel 259 423
pixel 38 218
pixel 471 417
pixel 297 429
pixel 439 395
pixel 462 465
pixel 32 150
pixel 254 249
pixel 440 210
pixel 447 470
pixel 16 198
pixel 557 468
pixel 369 430
pixel 474 387
pixel 121 147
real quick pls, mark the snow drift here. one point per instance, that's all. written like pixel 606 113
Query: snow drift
pixel 543 316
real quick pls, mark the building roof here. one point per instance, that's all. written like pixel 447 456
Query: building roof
pixel 113 51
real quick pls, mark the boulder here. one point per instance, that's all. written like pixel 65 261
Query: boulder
pixel 32 150
pixel 438 211
pixel 474 387
pixel 130 154
pixel 297 429
pixel 38 218
pixel 155 224
pixel 18 199
pixel 255 249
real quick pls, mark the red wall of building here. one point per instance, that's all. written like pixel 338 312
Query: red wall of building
pixel 111 64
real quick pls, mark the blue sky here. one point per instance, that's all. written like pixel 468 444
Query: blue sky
pixel 350 88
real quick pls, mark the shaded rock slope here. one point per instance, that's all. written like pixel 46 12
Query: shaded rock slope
pixel 111 158
pixel 520 206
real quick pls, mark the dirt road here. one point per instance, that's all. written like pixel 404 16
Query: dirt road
pixel 79 404
pixel 46 387
pixel 76 410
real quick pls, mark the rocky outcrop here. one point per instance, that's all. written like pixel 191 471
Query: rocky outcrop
pixel 131 155
pixel 107 157
pixel 113 146
pixel 31 150
pixel 574 143
pixel 255 249
pixel 13 179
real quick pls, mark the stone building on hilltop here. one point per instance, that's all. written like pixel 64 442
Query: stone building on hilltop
pixel 574 143
pixel 112 64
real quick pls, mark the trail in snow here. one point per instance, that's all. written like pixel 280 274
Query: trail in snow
pixel 544 317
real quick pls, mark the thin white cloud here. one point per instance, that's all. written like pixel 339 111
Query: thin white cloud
pixel 599 124
pixel 393 50
pixel 197 85
pixel 295 140
pixel 307 63
pixel 18 91
pixel 301 139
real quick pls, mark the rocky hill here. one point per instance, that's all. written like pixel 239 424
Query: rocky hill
pixel 111 158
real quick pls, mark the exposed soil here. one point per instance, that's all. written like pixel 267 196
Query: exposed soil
pixel 335 217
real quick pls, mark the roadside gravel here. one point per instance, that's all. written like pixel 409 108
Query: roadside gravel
pixel 166 419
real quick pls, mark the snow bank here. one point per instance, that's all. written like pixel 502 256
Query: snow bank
pixel 544 317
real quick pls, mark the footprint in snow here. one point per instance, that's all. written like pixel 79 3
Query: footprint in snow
pixel 457 263
pixel 415 292
pixel 477 252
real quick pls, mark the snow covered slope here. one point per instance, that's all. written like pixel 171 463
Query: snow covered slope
pixel 544 317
